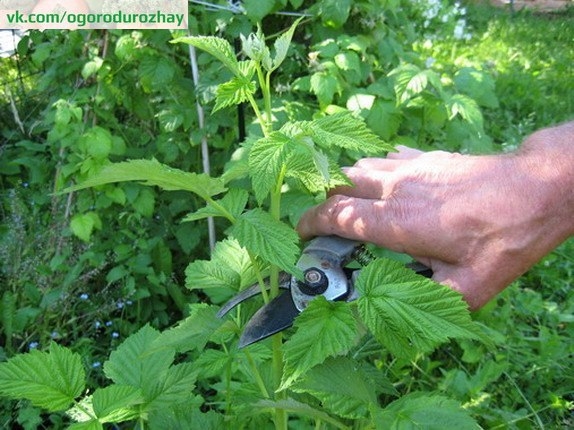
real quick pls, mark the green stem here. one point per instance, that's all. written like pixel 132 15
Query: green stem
pixel 259 276
pixel 258 115
pixel 281 415
pixel 257 375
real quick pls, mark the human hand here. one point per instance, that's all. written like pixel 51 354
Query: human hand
pixel 478 222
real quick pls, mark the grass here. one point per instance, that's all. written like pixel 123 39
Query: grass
pixel 531 57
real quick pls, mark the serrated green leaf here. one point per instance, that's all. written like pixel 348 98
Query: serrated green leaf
pixel 344 130
pixel 324 85
pixel 467 108
pixel 230 206
pixel 422 410
pixel 477 84
pixel 351 395
pixel 408 313
pixel 212 362
pixel 269 239
pixel 82 225
pixel 282 44
pixel 50 380
pixel 176 386
pixel 384 118
pixel 229 267
pixel 191 333
pixel 115 403
pixel 233 92
pixel 152 172
pixel 334 13
pixel 410 80
pixel 267 158
pixel 96 142
pixel 216 46
pixel 324 329
pixel 136 363
pixel 156 72
pixel 256 10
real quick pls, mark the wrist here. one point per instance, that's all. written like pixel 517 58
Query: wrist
pixel 546 158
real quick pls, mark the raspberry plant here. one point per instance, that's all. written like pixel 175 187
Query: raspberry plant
pixel 330 369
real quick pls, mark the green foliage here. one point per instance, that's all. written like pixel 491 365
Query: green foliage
pixel 436 412
pixel 50 380
pixel 323 330
pixel 408 313
pixel 113 121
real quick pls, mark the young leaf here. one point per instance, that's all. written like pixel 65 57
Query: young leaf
pixel 216 46
pixel 410 81
pixel 408 313
pixel 152 172
pixel 324 329
pixel 267 158
pixel 134 363
pixel 344 130
pixel 268 238
pixel 352 393
pixel 233 92
pixel 421 410
pixel 50 380
pixel 282 44
pixel 255 48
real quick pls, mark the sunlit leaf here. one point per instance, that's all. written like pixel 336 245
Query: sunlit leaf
pixel 152 172
pixel 345 131
pixel 229 267
pixel 216 46
pixel 268 238
pixel 50 380
pixel 282 44
pixel 408 313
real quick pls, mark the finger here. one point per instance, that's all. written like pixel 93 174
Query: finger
pixel 404 153
pixel 358 219
pixel 383 164
pixel 367 184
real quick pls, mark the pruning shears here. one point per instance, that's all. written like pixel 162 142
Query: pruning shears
pixel 322 263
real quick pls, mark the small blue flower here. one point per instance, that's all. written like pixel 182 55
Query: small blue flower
pixel 108 323
pixel 84 296
pixel 33 345
pixel 120 304
pixel 96 364
pixel 97 324
pixel 129 302
pixel 115 334
pixel 55 335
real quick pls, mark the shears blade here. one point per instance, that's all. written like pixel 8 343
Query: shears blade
pixel 275 316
